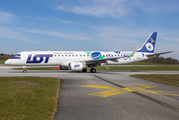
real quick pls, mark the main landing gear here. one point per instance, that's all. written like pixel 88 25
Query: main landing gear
pixel 24 71
pixel 84 70
pixel 92 70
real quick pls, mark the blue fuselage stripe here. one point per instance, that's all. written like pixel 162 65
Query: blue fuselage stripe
pixel 15 58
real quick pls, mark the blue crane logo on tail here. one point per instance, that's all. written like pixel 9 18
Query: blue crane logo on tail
pixel 149 46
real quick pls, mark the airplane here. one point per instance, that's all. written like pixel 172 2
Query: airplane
pixel 80 60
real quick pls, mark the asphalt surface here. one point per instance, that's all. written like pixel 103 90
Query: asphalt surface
pixel 110 95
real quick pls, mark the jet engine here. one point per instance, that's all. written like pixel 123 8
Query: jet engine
pixel 77 66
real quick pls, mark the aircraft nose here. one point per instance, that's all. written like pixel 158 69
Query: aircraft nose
pixel 7 62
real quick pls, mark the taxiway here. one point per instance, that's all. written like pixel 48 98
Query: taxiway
pixel 110 95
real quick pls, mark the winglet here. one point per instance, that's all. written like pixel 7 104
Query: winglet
pixel 132 54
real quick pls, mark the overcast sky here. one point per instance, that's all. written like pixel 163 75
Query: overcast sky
pixel 88 25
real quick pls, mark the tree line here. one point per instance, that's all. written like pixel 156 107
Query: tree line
pixel 160 60
pixel 5 56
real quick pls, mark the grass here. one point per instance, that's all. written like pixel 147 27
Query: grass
pixel 142 68
pixel 37 68
pixel 2 61
pixel 32 98
pixel 123 68
pixel 161 78
pixel 143 63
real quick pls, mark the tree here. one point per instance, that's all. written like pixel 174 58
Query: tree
pixel 162 60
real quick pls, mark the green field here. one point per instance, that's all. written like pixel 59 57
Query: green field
pixel 124 68
pixel 138 66
pixel 2 61
pixel 160 78
pixel 142 68
pixel 137 63
pixel 144 63
pixel 31 98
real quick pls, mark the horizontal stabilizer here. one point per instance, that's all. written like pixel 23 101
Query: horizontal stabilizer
pixel 157 54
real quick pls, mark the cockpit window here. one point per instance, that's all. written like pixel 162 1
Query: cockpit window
pixel 17 55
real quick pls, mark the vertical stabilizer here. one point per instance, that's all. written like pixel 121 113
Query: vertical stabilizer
pixel 149 44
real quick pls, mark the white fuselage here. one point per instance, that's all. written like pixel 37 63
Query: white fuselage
pixel 80 60
pixel 63 58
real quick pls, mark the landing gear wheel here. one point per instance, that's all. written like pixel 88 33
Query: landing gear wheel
pixel 24 71
pixel 92 70
pixel 84 70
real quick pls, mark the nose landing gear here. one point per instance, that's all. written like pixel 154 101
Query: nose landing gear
pixel 24 71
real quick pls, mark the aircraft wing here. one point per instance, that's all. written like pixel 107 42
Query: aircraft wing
pixel 112 59
pixel 104 59
pixel 157 54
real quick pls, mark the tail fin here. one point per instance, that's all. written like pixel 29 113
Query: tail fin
pixel 149 44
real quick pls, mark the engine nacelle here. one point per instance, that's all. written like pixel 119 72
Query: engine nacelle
pixel 63 68
pixel 76 66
